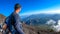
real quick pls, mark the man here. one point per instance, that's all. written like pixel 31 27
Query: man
pixel 13 21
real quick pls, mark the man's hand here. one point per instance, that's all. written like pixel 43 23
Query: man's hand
pixel 4 27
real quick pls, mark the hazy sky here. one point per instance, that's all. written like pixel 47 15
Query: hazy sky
pixel 29 6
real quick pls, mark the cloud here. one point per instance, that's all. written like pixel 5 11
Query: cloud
pixel 57 27
pixel 53 26
pixel 51 22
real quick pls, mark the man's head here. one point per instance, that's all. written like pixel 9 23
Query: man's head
pixel 17 8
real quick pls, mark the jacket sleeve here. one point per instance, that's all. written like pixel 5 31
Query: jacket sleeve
pixel 18 25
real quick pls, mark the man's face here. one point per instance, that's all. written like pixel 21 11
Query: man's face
pixel 18 10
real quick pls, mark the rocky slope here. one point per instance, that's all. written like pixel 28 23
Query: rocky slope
pixel 37 30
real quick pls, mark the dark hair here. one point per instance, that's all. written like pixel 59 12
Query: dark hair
pixel 17 6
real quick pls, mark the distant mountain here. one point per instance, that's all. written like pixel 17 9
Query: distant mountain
pixel 2 18
pixel 38 19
